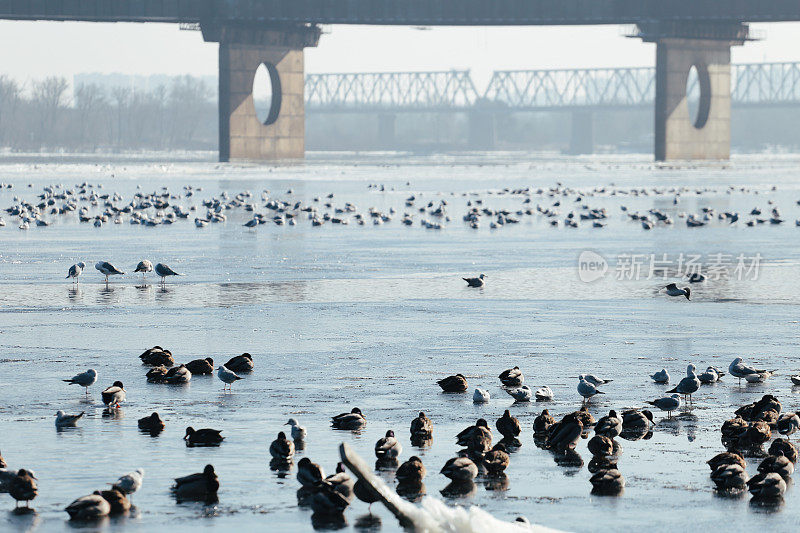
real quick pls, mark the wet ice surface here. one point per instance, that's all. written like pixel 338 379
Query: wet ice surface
pixel 369 316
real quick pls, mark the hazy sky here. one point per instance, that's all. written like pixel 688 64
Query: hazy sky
pixel 38 49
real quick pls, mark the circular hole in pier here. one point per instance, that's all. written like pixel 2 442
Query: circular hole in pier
pixel 267 93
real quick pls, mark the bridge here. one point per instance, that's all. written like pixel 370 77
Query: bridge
pixel 274 33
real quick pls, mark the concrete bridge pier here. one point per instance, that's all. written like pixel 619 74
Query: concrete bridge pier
pixel 707 48
pixel 582 134
pixel 241 51
pixel 387 129
pixel 482 123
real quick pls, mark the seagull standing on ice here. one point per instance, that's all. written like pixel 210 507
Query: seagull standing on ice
pixel 226 376
pixel 144 267
pixel 84 379
pixel 75 271
pixel 688 385
pixel 586 389
pixel 107 269
pixel 662 376
pixel 668 403
pixel 740 370
pixel 163 271
pixel 298 431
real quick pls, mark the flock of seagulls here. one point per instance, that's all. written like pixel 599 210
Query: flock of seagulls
pixel 107 269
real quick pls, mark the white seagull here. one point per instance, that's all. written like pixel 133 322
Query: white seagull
pixel 521 394
pixel 480 396
pixel 688 385
pixel 298 431
pixel 594 380
pixel 673 290
pixel 130 482
pixel 64 420
pixel 84 379
pixel 144 267
pixel 107 269
pixel 163 271
pixel 668 403
pixel 662 376
pixel 544 394
pixel 75 271
pixel 740 370
pixel 226 376
pixel 586 389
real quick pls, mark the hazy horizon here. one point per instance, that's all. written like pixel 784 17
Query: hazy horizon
pixel 69 48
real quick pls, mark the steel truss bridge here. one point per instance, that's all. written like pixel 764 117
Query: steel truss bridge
pixel 752 84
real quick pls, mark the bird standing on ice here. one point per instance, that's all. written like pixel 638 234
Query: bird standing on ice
pixel 75 271
pixel 226 376
pixel 107 269
pixel 144 267
pixel 163 271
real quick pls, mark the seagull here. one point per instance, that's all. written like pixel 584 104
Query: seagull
pixel 740 370
pixel 84 379
pixel 298 431
pixel 667 403
pixel 476 282
pixel 130 482
pixel 480 396
pixel 594 380
pixel 65 420
pixel 164 271
pixel 226 376
pixel 521 394
pixel 144 267
pixel 107 269
pixel 673 290
pixel 688 385
pixel 709 376
pixel 586 389
pixel 75 271
pixel 544 394
pixel 662 376
pixel 759 377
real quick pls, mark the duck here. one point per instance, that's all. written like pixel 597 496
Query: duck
pixel 508 426
pixel 610 425
pixel 152 423
pixel 496 460
pixel 564 435
pixel 334 494
pixel 544 394
pixel 725 459
pixel 460 469
pixel 521 394
pixel 298 431
pixel 157 356
pixel 512 377
pixel 766 486
pixel 730 477
pixel 767 409
pixel 388 447
pixel 480 396
pixel 586 389
pixel 601 446
pixel 476 282
pixel 607 482
pixel 114 395
pixel 421 427
pixel 309 473
pixel 455 383
pixel 203 437
pixel 634 419
pixel 477 438
pixel 201 367
pixel 202 486
pixel 364 492
pixel 282 449
pixel 65 420
pixel 412 472
pixel 585 417
pixel 90 507
pixel 157 374
pixel 23 487
pixel 662 376
pixel 778 464
pixel 354 420
pixel 788 423
pixel 542 423
pixel 241 363
pixel 673 290
pixel 118 502
pixel 178 375
pixel 688 385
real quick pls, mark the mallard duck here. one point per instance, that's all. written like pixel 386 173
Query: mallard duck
pixel 421 427
pixel 496 460
pixel 460 469
pixel 388 447
pixel 508 426
pixel 778 464
pixel 725 459
pixel 783 447
pixel 475 282
pixel 477 438
pixel 456 383
pixel 119 503
pixel 157 356
pixel 607 482
pixel 730 477
pixel 202 486
pixel 23 487
pixel 309 473
pixel 114 395
pixel 90 507
pixel 633 419
pixel 364 492
pixel 152 423
pixel 282 449
pixel 241 363
pixel 766 409
pixel 610 426
pixel 565 434
pixel 354 420
pixel 201 367
pixel 157 374
pixel 203 437
pixel 411 472
pixel 542 423
pixel 512 377
pixel 788 424
pixel 766 486
pixel 178 375
pixel 585 416
pixel 601 445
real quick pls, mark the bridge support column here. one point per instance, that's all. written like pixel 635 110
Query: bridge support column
pixel 387 128
pixel 241 51
pixel 482 124
pixel 707 48
pixel 582 134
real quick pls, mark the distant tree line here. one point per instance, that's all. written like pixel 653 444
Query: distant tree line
pixel 45 115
